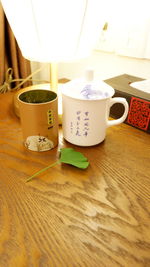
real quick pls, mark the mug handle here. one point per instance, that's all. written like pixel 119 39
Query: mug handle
pixel 124 102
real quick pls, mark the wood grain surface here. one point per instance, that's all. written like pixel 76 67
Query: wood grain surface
pixel 71 217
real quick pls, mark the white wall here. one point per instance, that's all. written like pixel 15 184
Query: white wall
pixel 106 65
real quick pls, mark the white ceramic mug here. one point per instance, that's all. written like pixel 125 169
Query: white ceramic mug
pixel 85 120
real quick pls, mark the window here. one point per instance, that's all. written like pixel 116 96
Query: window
pixel 127 29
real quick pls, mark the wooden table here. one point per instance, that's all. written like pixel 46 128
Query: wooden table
pixel 71 217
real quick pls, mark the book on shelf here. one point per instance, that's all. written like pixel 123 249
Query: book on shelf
pixel 138 100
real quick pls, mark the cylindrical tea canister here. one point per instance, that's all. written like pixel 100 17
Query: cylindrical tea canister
pixel 39 119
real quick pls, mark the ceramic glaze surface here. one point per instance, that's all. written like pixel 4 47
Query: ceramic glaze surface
pixel 86 110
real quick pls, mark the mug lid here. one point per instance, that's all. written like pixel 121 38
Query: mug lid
pixel 87 90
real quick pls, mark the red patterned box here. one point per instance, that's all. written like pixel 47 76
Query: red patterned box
pixel 139 102
pixel 139 113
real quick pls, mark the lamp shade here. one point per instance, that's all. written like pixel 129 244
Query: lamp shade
pixel 55 30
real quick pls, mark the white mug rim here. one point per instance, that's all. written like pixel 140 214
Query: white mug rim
pixel 107 88
pixel 89 100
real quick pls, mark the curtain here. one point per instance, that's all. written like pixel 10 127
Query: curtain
pixel 10 54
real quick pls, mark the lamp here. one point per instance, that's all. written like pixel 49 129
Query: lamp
pixel 55 31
